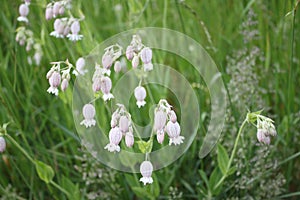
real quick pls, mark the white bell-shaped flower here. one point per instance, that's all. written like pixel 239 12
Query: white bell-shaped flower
pixel 107 60
pixel 173 130
pixel 96 85
pixel 59 27
pixel 129 139
pixel 54 82
pixel 75 28
pixel 49 13
pixel 115 137
pixel 129 52
pixel 160 119
pixel 117 66
pixel 2 144
pixel 172 116
pixel 140 95
pixel 114 119
pixel 89 112
pixel 80 67
pixel 262 137
pixel 23 11
pixel 148 67
pixel 106 87
pixel 146 170
pixel 64 84
pixel 146 55
pixel 135 61
pixel 124 124
pixel 56 7
pixel 160 136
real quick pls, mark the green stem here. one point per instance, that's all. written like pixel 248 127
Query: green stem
pixel 232 153
pixel 60 188
pixel 20 148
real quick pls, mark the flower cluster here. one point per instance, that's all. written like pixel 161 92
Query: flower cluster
pixel 165 120
pixel 136 51
pixel 25 36
pixel 59 76
pixel 66 26
pixel 121 125
pixel 265 129
pixel 101 78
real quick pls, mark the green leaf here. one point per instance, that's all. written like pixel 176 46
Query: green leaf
pixel 44 171
pixel 142 192
pixel 223 159
pixel 231 170
pixel 145 146
pixel 214 178
pixel 204 177
pixel 72 188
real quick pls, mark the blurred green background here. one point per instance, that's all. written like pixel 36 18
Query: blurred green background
pixel 255 45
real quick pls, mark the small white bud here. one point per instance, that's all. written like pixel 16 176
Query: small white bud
pixel 129 52
pixel 160 119
pixel 107 60
pixel 129 139
pixel 146 55
pixel 2 144
pixel 64 84
pixel 172 116
pixel 124 124
pixel 135 61
pixel 117 66
pixel 23 10
pixel 56 8
pixel 49 13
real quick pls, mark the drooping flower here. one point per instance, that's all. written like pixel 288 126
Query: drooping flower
pixel 129 139
pixel 265 129
pixel 106 87
pixel 124 124
pixel 2 144
pixel 135 61
pixel 54 82
pixel 49 13
pixel 146 170
pixel 172 116
pixel 97 85
pixel 148 67
pixel 107 60
pixel 115 137
pixel 23 11
pixel 80 67
pixel 114 119
pixel 59 27
pixel 129 52
pixel 64 84
pixel 173 130
pixel 56 8
pixel 262 137
pixel 146 55
pixel 88 112
pixel 117 66
pixel 160 136
pixel 75 28
pixel 160 119
pixel 140 95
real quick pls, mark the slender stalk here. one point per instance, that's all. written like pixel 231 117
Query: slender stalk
pixel 232 153
pixel 60 188
pixel 20 148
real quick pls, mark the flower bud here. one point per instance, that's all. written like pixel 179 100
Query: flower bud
pixel 2 144
pixel 146 55
pixel 88 112
pixel 129 52
pixel 117 66
pixel 106 85
pixel 61 10
pixel 55 78
pixel 146 169
pixel 49 13
pixel 107 60
pixel 49 73
pixel 172 116
pixel 97 85
pixel 124 124
pixel 64 84
pixel 135 61
pixel 160 136
pixel 140 95
pixel 129 139
pixel 160 119
pixel 262 137
pixel 114 119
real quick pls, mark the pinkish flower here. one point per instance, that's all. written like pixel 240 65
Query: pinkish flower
pixel 97 85
pixel 114 119
pixel 146 170
pixel 61 10
pixel 129 52
pixel 23 10
pixel 88 112
pixel 160 119
pixel 140 95
pixel 160 136
pixel 115 137
pixel 129 139
pixel 75 28
pixel 135 61
pixel 173 130
pixel 49 13
pixel 124 124
pixel 59 27
pixel 2 144
pixel 117 66
pixel 172 116
pixel 146 55
pixel 56 8
pixel 107 60
pixel 80 67
pixel 64 84
pixel 54 82
pixel 262 136
pixel 148 67
pixel 106 87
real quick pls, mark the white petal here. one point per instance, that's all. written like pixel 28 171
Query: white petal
pixel 146 180
pixel 176 140
pixel 88 122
